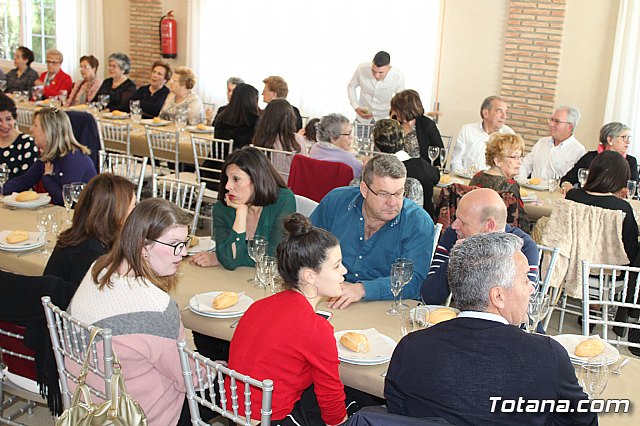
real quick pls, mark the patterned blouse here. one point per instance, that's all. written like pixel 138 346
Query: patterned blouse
pixel 411 145
pixel 20 155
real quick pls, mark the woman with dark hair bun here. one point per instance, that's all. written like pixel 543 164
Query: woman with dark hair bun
pixel 310 264
pixel 605 187
pixel 252 200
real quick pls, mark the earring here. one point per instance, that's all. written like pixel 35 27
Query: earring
pixel 145 255
pixel 305 295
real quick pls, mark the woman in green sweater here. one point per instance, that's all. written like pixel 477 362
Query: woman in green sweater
pixel 252 200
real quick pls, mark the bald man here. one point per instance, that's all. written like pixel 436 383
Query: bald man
pixel 479 211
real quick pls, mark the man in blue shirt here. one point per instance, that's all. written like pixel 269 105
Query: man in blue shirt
pixel 375 225
pixel 479 211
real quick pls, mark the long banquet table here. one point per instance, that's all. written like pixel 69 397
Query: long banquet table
pixel 364 315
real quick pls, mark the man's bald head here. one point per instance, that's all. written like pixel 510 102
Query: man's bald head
pixel 479 211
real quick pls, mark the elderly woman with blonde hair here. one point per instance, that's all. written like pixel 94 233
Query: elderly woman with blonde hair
pixel 62 158
pixel 504 154
pixel 181 97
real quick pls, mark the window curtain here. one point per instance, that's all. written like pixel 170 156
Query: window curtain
pixel 623 98
pixel 315 46
pixel 88 39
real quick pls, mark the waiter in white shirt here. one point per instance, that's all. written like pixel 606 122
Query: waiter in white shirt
pixel 378 82
pixel 556 154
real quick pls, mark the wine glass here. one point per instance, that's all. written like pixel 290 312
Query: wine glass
pixel 103 100
pixel 43 222
pixel 3 85
pixel 433 153
pixel 631 188
pixel 181 119
pixel 538 309
pixel 256 247
pixel 76 190
pixel 63 96
pixel 443 158
pixel 414 319
pixel 4 177
pixel 266 271
pixel 473 169
pixel 593 376
pixel 396 274
pixel 67 198
pixel 583 174
pixel 553 183
pixel 136 111
pixel 407 274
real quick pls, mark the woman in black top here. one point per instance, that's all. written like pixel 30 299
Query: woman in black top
pixel 119 86
pixel 22 76
pixel 153 95
pixel 101 210
pixel 613 136
pixel 238 120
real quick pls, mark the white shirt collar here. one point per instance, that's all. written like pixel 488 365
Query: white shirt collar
pixel 483 315
pixel 402 155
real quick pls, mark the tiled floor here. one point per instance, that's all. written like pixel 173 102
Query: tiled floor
pixel 41 416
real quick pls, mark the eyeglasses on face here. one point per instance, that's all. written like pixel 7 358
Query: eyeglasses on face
pixel 626 138
pixel 514 157
pixel 347 134
pixel 178 247
pixel 52 62
pixel 386 195
pixel 556 121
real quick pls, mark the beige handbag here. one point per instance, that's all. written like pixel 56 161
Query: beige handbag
pixel 120 410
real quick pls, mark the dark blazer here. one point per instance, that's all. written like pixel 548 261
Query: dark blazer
pixel 428 135
pixel 151 104
pixel 585 162
pixel 241 134
pixel 428 176
pixel 452 369
pixel 72 263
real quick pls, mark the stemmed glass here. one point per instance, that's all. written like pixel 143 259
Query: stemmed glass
pixel 63 97
pixel 407 274
pixel 76 190
pixel 266 271
pixel 103 100
pixel 67 198
pixel 583 174
pixel 136 111
pixel 257 247
pixel 396 286
pixel 4 177
pixel 631 189
pixel 553 183
pixel 538 309
pixel 473 169
pixel 443 158
pixel 593 376
pixel 43 222
pixel 433 153
pixel 181 119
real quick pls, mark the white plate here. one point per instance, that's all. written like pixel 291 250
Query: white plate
pixel 201 305
pixel 110 116
pixel 45 103
pixel 570 341
pixel 194 129
pixel 150 122
pixel 205 244
pixel 463 173
pixel 42 200
pixel 380 348
pixel 33 242
pixel 431 308
pixel 451 182
pixel 542 186
pixel 530 198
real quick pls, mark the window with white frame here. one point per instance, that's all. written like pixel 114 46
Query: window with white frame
pixel 30 23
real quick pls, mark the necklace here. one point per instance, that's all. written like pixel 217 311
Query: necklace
pixel 498 170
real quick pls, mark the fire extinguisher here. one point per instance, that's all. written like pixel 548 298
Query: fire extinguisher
pixel 169 35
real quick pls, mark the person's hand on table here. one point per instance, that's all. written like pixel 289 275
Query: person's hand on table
pixel 350 293
pixel 204 259
pixel 565 187
pixel 364 113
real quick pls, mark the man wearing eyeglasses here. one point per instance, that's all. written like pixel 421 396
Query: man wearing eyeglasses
pixel 54 80
pixel 468 151
pixel 376 225
pixel 554 155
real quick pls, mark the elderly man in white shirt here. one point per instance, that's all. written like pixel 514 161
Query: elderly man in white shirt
pixel 555 155
pixel 378 82
pixel 468 151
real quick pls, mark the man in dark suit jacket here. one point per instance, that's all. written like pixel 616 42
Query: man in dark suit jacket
pixel 480 368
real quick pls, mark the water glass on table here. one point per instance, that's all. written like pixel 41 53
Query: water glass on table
pixel 67 198
pixel 433 152
pixel 4 177
pixel 537 310
pixel 396 277
pixel 76 190
pixel 407 275
pixel 414 320
pixel 583 174
pixel 443 159
pixel 256 248
pixel 553 183
pixel 266 271
pixel 593 376
pixel 632 185
pixel 63 96
pixel 44 225
pixel 136 111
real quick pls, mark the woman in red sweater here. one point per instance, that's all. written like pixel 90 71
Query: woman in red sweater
pixel 266 346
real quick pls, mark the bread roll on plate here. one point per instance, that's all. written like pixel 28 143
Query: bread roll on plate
pixel 225 300
pixel 194 241
pixel 27 196
pixel 589 348
pixel 441 314
pixel 16 237
pixel 355 342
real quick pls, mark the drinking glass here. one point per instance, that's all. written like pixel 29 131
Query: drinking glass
pixel 54 102
pixel 414 319
pixel 103 100
pixel 76 190
pixel 631 189
pixel 473 169
pixel 433 153
pixel 407 274
pixel 4 177
pixel 553 183
pixel 3 85
pixel 266 271
pixel 257 247
pixel 43 222
pixel 63 96
pixel 181 119
pixel 443 158
pixel 277 283
pixel 583 174
pixel 538 309
pixel 396 286
pixel 67 198
pixel 136 111
pixel 593 376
